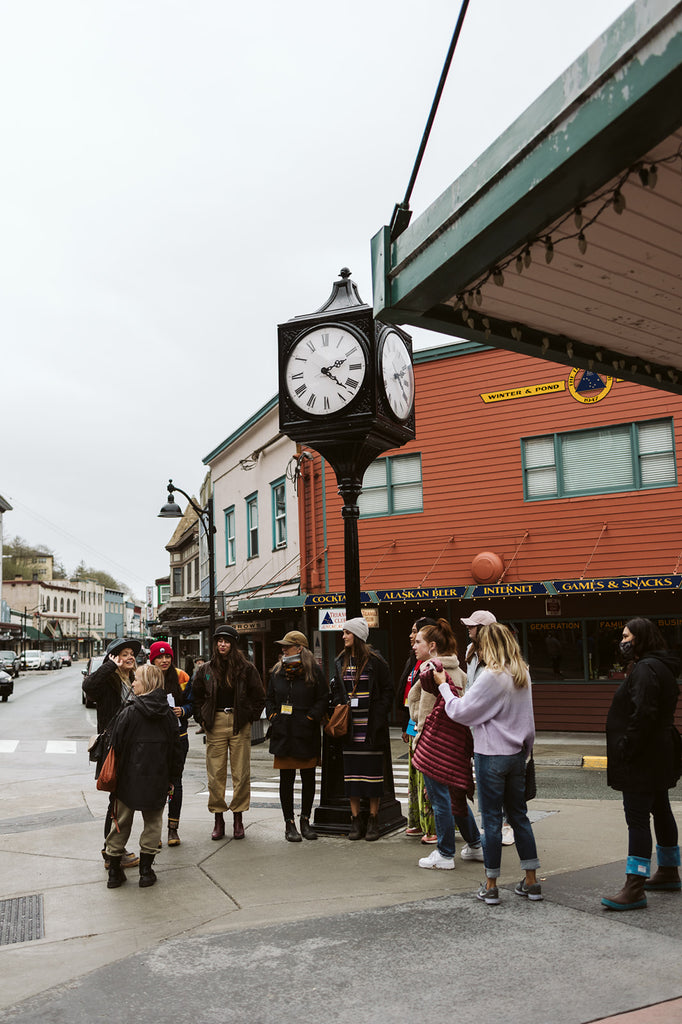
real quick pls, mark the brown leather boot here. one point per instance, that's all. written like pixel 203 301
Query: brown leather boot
pixel 238 826
pixel 219 827
pixel 665 879
pixel 630 897
pixel 173 837
pixel 372 833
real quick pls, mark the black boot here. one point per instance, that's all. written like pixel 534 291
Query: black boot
pixel 355 827
pixel 307 830
pixel 372 833
pixel 147 873
pixel 291 833
pixel 116 873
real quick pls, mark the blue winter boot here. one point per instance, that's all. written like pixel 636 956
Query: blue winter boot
pixel 632 895
pixel 667 876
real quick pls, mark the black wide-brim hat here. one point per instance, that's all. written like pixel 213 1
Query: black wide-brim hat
pixel 116 646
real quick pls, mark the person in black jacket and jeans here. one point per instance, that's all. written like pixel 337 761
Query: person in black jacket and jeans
pixel 111 686
pixel 148 755
pixel 644 761
pixel 297 698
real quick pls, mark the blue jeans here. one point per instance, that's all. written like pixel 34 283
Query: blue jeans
pixel 501 781
pixel 439 795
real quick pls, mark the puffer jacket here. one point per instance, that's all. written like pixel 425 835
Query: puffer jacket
pixel 642 743
pixel 421 703
pixel 445 748
pixel 146 740
pixel 104 686
pixel 297 734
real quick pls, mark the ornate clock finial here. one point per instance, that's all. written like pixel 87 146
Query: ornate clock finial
pixel 344 272
pixel 344 295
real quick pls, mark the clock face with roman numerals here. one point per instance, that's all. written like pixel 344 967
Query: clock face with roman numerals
pixel 325 370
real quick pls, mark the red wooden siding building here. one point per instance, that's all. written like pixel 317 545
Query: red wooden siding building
pixel 549 496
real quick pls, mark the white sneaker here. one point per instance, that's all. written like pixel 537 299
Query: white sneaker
pixel 472 853
pixel 507 835
pixel 436 860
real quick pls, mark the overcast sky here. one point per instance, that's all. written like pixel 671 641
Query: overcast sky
pixel 178 177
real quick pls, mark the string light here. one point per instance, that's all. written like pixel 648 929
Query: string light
pixel 618 201
pixel 549 249
pixel 582 243
pixel 578 217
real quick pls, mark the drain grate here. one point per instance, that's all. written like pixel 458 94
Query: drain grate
pixel 21 919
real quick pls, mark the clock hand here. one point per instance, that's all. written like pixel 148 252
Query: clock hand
pixel 327 373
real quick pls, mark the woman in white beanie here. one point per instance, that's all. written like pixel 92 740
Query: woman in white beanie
pixel 363 679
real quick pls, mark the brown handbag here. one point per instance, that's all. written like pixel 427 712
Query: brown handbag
pixel 106 779
pixel 338 723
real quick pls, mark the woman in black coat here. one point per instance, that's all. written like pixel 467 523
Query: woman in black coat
pixel 363 680
pixel 111 686
pixel 645 761
pixel 148 755
pixel 297 698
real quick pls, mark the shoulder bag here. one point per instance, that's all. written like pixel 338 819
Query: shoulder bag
pixel 531 787
pixel 337 725
pixel 106 780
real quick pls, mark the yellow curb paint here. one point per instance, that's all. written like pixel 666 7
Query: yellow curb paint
pixel 594 762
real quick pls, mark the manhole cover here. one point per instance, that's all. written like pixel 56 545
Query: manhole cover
pixel 21 919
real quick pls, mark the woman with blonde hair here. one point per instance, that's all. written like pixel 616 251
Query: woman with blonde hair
pixel 148 755
pixel 499 712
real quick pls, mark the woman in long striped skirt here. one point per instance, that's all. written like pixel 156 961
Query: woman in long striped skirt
pixel 363 680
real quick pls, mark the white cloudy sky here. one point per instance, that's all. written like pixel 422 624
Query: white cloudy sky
pixel 177 177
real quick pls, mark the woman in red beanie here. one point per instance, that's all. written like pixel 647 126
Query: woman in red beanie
pixel 178 688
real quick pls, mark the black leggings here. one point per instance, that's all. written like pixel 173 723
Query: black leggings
pixel 286 791
pixel 638 809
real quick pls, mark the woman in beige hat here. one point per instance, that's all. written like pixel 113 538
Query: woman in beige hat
pixel 297 698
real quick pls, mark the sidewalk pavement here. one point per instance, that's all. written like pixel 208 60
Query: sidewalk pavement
pixel 263 931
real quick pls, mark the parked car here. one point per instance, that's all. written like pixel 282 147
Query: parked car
pixel 64 657
pixel 92 665
pixel 6 685
pixel 34 659
pixel 10 662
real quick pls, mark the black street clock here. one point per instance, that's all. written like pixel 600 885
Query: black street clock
pixel 346 389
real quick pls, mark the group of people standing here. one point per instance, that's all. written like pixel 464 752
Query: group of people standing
pixel 452 718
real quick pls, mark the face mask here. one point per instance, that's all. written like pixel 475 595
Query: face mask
pixel 291 659
pixel 626 648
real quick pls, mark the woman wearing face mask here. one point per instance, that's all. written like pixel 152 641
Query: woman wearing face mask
pixel 297 698
pixel 443 748
pixel 644 755
pixel 228 696
pixel 148 755
pixel 178 690
pixel 363 679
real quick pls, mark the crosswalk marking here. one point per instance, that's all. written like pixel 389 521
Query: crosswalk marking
pixel 61 747
pixel 8 746
pixel 270 787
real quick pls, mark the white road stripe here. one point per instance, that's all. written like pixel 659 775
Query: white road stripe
pixel 61 747
pixel 8 746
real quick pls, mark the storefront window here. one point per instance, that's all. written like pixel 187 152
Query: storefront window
pixel 555 650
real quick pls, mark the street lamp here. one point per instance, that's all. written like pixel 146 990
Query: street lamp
pixel 171 510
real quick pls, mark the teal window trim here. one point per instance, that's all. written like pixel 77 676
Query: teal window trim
pixel 390 461
pixel 278 501
pixel 637 458
pixel 251 503
pixel 230 536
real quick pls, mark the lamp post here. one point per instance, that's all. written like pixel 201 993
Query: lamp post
pixel 171 510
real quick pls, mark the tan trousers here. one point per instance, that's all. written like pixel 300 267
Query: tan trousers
pixel 219 744
pixel 151 833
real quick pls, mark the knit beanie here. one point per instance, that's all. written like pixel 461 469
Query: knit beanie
pixel 358 627
pixel 160 647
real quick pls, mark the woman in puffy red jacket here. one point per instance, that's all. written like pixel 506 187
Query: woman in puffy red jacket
pixel 443 748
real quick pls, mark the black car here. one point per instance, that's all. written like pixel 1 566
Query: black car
pixel 6 685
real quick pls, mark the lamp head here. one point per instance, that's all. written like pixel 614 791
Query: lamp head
pixel 171 510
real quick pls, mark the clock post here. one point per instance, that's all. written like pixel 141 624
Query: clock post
pixel 346 389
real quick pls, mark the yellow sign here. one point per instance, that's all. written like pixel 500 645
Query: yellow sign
pixel 532 389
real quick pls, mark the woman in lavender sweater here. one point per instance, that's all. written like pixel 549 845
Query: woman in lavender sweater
pixel 499 712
